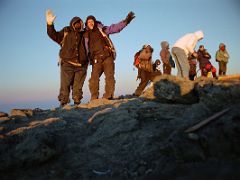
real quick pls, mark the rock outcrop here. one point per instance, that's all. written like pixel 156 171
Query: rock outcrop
pixel 130 138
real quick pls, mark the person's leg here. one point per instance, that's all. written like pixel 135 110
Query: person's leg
pixel 220 68
pixel 224 68
pixel 109 70
pixel 67 75
pixel 79 78
pixel 214 71
pixel 144 76
pixel 169 68
pixel 182 62
pixel 97 71
pixel 176 62
pixel 164 69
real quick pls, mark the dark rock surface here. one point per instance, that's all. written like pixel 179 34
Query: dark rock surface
pixel 130 138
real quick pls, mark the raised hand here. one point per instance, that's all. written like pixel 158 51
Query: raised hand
pixel 50 17
pixel 130 17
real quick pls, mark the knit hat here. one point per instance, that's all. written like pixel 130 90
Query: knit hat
pixel 146 46
pixel 90 17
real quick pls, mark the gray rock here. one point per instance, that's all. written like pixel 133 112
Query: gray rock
pixel 4 119
pixel 2 114
pixel 21 112
pixel 170 89
pixel 218 94
pixel 136 138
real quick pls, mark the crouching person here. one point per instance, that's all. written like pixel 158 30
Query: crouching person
pixel 146 70
pixel 73 57
pixel 204 62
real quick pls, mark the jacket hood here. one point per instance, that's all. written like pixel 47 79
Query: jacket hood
pixel 199 34
pixel 74 20
pixel 164 44
pixel 221 44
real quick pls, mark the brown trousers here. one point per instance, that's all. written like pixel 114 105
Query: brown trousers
pixel 71 77
pixel 107 67
pixel 222 68
pixel 145 77
pixel 167 69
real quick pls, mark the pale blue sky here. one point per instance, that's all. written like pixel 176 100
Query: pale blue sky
pixel 29 75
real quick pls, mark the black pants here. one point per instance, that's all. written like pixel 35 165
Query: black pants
pixel 71 77
pixel 145 77
pixel 107 67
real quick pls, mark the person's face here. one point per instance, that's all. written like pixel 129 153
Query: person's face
pixel 90 23
pixel 148 50
pixel 201 48
pixel 77 25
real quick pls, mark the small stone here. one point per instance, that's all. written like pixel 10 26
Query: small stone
pixel 67 107
pixel 193 136
pixel 3 119
pixel 53 109
pixel 2 128
pixel 141 170
pixel 148 171
pixel 3 114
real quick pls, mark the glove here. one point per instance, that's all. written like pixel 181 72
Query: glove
pixel 50 17
pixel 129 17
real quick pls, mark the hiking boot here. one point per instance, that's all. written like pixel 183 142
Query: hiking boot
pixel 62 105
pixel 76 103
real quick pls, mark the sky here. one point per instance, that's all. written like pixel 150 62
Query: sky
pixel 29 75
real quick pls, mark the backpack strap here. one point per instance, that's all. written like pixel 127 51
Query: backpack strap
pixel 109 42
pixel 64 36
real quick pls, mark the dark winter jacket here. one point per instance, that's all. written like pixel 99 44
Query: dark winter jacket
pixel 72 43
pixel 203 58
pixel 101 47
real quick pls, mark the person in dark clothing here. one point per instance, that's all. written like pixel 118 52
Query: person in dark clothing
pixel 73 57
pixel 102 54
pixel 204 62
pixel 146 72
pixel 193 66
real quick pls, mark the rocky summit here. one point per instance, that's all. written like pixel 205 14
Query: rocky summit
pixel 176 130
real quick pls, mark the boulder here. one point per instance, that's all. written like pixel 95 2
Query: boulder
pixel 170 89
pixel 22 112
pixel 2 114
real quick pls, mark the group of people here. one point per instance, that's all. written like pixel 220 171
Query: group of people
pixel 90 44
pixel 186 57
pixel 83 45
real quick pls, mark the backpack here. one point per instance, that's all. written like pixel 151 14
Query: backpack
pixel 145 65
pixel 136 61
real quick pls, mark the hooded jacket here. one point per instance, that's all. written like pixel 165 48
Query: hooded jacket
pixel 222 56
pixel 188 42
pixel 164 53
pixel 203 58
pixel 72 44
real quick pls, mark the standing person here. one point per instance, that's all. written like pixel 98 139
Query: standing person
pixel 182 48
pixel 165 57
pixel 73 57
pixel 102 54
pixel 204 62
pixel 222 57
pixel 146 70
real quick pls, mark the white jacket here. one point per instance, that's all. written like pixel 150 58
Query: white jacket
pixel 189 41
